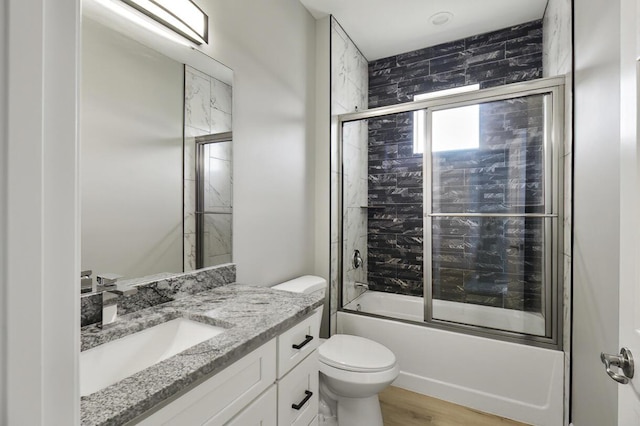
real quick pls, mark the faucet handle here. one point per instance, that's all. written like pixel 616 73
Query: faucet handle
pixel 107 282
pixel 108 278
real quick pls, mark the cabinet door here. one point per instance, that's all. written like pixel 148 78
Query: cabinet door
pixel 261 412
pixel 296 343
pixel 221 397
pixel 298 394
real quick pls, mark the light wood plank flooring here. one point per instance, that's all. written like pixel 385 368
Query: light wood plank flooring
pixel 401 407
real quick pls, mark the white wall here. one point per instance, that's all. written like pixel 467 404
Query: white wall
pixel 596 209
pixel 628 399
pixel 3 208
pixel 131 127
pixel 271 48
pixel 41 283
pixel 323 159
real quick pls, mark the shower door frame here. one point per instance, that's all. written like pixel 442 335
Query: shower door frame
pixel 553 231
pixel 200 142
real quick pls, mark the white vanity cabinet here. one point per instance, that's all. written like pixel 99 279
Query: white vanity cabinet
pixel 298 373
pixel 275 385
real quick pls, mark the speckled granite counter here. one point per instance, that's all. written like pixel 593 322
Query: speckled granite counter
pixel 251 315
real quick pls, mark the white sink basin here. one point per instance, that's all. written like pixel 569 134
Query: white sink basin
pixel 107 364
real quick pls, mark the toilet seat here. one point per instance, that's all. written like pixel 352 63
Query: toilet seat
pixel 356 354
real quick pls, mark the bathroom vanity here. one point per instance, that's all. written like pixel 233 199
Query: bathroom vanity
pixel 261 368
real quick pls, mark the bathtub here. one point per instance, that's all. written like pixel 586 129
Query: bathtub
pixel 411 308
pixel 520 382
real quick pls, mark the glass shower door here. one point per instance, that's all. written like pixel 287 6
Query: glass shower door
pixel 490 214
pixel 213 199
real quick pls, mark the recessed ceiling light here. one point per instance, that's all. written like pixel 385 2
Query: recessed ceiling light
pixel 441 18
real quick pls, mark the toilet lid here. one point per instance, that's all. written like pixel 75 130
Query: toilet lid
pixel 354 353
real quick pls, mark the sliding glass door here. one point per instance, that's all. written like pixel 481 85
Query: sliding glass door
pixel 452 212
pixel 490 213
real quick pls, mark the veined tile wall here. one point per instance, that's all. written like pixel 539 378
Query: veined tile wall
pixel 395 172
pixel 557 60
pixel 349 86
pixel 207 111
pixel 218 184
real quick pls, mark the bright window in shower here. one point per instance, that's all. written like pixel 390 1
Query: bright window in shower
pixel 457 128
pixel 465 234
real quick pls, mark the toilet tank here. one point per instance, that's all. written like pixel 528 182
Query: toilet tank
pixel 306 284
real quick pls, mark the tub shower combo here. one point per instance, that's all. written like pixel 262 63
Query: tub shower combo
pixel 452 243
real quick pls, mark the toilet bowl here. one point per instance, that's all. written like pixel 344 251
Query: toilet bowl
pixel 353 370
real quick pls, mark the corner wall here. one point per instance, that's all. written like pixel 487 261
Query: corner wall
pixel 42 256
pixel 270 46
pixel 349 85
pixel 3 206
pixel 596 218
pixel 557 60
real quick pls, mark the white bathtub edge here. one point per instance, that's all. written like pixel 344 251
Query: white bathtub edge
pixel 481 401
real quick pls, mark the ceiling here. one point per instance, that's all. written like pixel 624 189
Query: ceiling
pixel 382 28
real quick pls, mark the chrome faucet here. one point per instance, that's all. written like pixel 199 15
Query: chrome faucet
pixel 107 284
pixel 86 282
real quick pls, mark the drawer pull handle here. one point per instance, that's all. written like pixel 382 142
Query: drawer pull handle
pixel 308 394
pixel 303 344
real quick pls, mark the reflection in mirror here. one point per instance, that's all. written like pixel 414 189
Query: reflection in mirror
pixel 213 199
pixel 207 185
pixel 131 150
pixel 140 104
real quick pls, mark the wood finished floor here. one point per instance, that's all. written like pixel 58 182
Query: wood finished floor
pixel 401 407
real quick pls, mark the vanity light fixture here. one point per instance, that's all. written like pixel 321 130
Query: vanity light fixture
pixel 181 16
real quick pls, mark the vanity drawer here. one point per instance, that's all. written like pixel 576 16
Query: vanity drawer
pixel 299 385
pixel 297 342
pixel 224 395
pixel 262 412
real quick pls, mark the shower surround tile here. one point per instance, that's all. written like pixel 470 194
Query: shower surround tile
pixel 208 106
pixel 221 96
pixel 468 181
pixel 218 242
pixel 557 60
pixel 197 100
pixel 504 56
pixel 218 190
pixel 349 88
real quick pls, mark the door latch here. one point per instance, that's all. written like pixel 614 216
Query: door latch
pixel 623 361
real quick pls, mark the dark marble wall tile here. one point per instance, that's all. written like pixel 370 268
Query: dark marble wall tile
pixel 484 261
pixel 492 59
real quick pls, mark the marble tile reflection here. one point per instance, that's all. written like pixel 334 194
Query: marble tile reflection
pixel 218 184
pixel 334 277
pixel 220 96
pixel 218 228
pixel 220 121
pixel 197 101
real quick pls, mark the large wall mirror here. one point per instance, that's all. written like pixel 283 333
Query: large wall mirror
pixel 156 143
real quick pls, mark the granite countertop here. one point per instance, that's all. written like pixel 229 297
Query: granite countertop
pixel 251 316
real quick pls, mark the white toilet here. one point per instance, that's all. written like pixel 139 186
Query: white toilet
pixel 353 370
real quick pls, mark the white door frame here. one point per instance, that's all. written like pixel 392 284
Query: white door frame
pixel 39 233
pixel 629 322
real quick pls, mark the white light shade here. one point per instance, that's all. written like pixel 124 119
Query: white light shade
pixel 182 16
